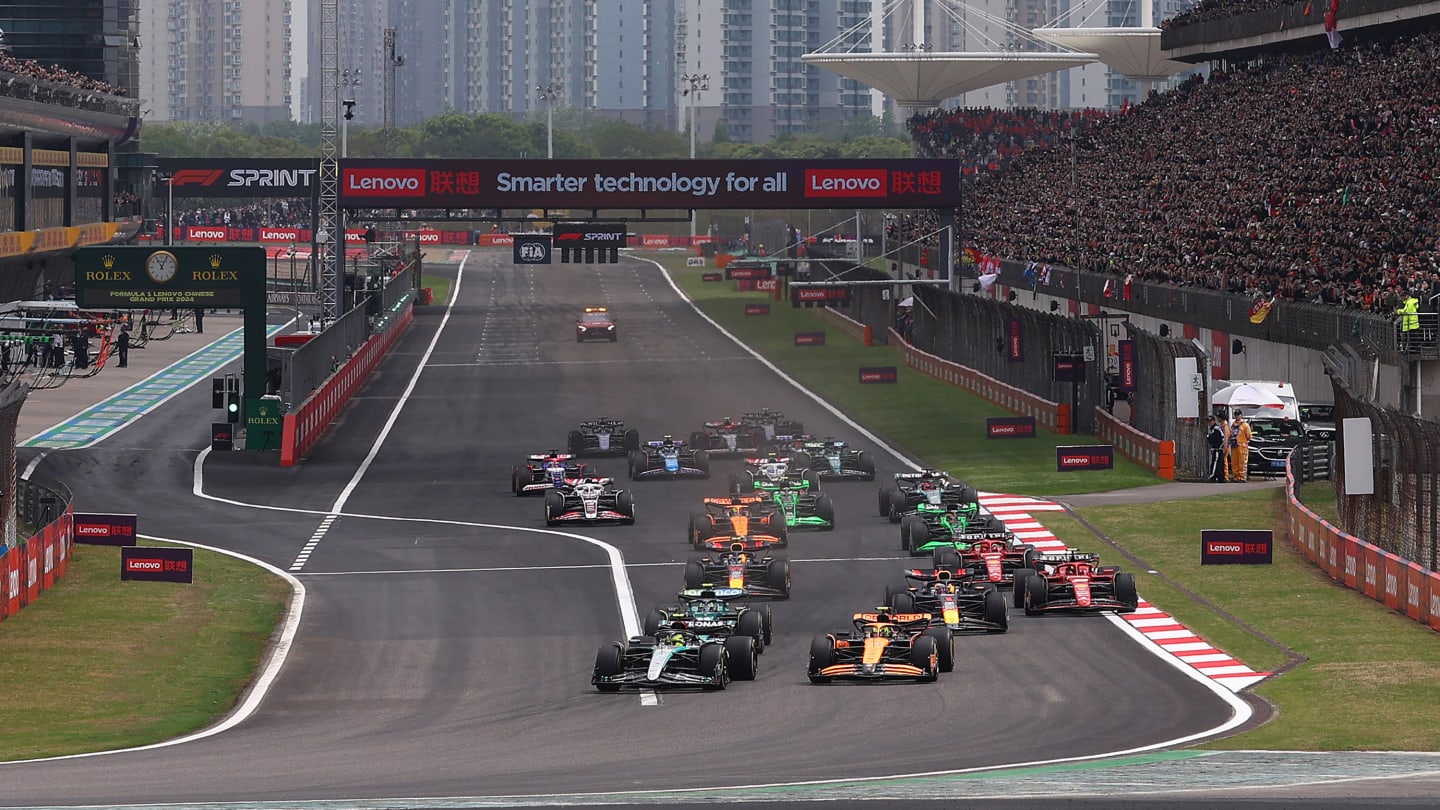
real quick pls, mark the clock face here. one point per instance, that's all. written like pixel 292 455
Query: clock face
pixel 161 266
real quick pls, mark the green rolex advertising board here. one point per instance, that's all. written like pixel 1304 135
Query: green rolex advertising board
pixel 145 277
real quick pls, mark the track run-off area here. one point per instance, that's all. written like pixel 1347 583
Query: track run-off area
pixel 439 648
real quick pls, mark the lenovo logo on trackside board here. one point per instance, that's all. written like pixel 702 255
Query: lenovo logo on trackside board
pixel 845 182
pixel 384 183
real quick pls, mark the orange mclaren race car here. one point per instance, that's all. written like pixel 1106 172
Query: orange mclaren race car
pixel 743 565
pixel 748 516
pixel 882 645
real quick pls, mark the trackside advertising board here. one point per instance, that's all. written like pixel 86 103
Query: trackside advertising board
pixel 1085 457
pixel 239 177
pixel 632 184
pixel 157 564
pixel 1010 427
pixel 102 529
pixel 1232 546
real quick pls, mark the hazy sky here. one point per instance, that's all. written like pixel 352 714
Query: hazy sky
pixel 299 53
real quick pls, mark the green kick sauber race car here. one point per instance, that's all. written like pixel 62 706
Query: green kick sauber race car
pixel 795 491
pixel 945 526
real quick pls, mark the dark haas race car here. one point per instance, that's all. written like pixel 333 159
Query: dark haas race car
pixel 932 487
pixel 668 458
pixel 771 472
pixel 729 437
pixel 1075 581
pixel 956 601
pixel 834 460
pixel 724 519
pixel 882 645
pixel 542 471
pixel 772 423
pixel 714 614
pixel 601 437
pixel 743 565
pixel 676 657
pixel 992 557
pixel 955 523
pixel 589 500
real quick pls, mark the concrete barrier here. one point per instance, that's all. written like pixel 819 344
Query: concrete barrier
pixel 1052 415
pixel 848 325
pixel 1153 454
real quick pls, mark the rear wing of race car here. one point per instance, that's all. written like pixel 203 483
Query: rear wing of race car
pixel 1067 556
pixel 736 500
pixel 557 456
pixel 903 619
pixel 726 594
pixel 603 422
pixel 976 537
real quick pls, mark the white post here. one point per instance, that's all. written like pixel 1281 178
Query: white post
pixel 549 129
pixel 692 157
pixel 344 137
pixel 170 210
pixel 859 243
pixel 917 22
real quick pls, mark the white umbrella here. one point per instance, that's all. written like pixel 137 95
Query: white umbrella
pixel 1247 396
pixel 908 302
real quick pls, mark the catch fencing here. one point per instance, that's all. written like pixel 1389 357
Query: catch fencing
pixel 1403 515
pixel 1154 402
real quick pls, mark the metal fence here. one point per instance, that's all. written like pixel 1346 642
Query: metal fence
pixel 1403 515
pixel 1154 403
pixel 12 399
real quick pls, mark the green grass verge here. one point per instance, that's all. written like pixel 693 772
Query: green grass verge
pixel 97 664
pixel 1370 679
pixel 943 429
pixel 439 288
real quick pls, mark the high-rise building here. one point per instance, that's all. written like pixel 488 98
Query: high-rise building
pixel 225 60
pixel 97 38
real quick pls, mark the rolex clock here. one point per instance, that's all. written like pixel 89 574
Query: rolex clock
pixel 161 266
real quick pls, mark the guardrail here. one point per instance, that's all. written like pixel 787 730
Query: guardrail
pixel 848 325
pixel 1399 584
pixel 32 567
pixel 1155 455
pixel 1053 416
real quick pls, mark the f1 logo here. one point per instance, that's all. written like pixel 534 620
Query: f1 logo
pixel 195 177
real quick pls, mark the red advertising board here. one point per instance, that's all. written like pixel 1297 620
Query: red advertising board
pixel 1016 341
pixel 1084 457
pixel 757 309
pixel 10 565
pixel 1394 571
pixel 1010 427
pixel 879 374
pixel 105 529
pixel 496 240
pixel 33 582
pixel 809 338
pixel 1126 349
pixel 48 542
pixel 767 284
pixel 1372 572
pixel 270 235
pixel 1231 546
pixel 1415 596
pixel 207 233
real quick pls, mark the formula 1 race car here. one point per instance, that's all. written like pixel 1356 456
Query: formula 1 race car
pixel 668 458
pixel 677 657
pixel 932 487
pixel 961 522
pixel 957 601
pixel 834 460
pixel 882 645
pixel 599 437
pixel 542 471
pixel 589 500
pixel 728 437
pixel 1074 580
pixel 992 557
pixel 714 613
pixel 724 519
pixel 804 508
pixel 771 472
pixel 743 565
pixel 772 423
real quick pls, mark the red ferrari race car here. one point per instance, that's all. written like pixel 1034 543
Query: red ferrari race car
pixel 989 556
pixel 746 516
pixel 1074 580
pixel 595 323
pixel 542 471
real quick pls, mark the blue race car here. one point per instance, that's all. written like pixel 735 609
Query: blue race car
pixel 668 458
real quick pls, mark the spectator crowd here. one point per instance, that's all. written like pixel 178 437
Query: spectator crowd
pixel 281 213
pixel 1311 177
pixel 1207 10
pixel 56 75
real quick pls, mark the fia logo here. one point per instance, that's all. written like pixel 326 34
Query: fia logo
pixel 533 252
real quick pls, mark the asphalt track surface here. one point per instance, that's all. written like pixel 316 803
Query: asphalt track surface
pixel 441 655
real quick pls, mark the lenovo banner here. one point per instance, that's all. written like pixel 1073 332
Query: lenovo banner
pixel 712 276
pixel 1126 349
pixel 809 338
pixel 639 184
pixel 157 564
pixel 750 273
pixel 810 296
pixel 1069 368
pixel 757 309
pixel 590 242
pixel 1015 333
pixel 239 177
pixel 1085 457
pixel 1010 427
pixel 99 529
pixel 879 374
pixel 1232 546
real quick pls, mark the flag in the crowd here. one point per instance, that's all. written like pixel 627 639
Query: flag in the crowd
pixel 1109 288
pixel 1260 310
pixel 1045 275
pixel 1331 18
pixel 987 280
pixel 1125 107
pixel 1031 275
pixel 972 255
pixel 1306 12
pixel 1129 280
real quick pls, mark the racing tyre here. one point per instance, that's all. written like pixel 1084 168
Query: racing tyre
pixel 712 663
pixel 780 578
pixel 825 509
pixel 609 661
pixel 743 656
pixel 1018 589
pixel 752 625
pixel 515 480
pixel 1036 596
pixel 898 505
pixel 865 464
pixel 913 534
pixel 700 440
pixel 625 505
pixel 699 524
pixel 804 462
pixel 885 501
pixel 888 598
pixel 822 654
pixel 653 620
pixel 947 558
pixel 812 480
pixel 769 618
pixel 925 654
pixel 702 463
pixel 944 646
pixel 632 439
pixel 638 463
pixel 554 505
pixel 576 442
pixel 903 602
pixel 1030 555
pixel 1125 592
pixel 742 483
pixel 694 574
pixel 996 612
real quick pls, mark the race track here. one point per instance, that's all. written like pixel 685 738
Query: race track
pixel 442 657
